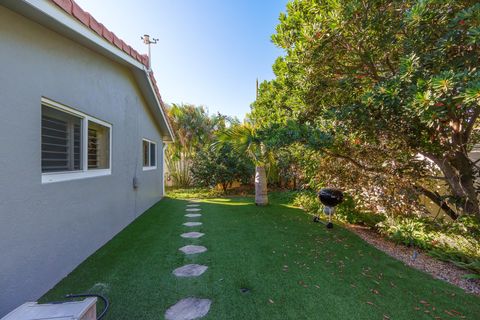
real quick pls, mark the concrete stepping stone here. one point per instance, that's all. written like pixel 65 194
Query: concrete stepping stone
pixel 188 309
pixel 193 215
pixel 194 201
pixel 192 224
pixel 190 270
pixel 192 235
pixel 193 209
pixel 192 249
pixel 193 205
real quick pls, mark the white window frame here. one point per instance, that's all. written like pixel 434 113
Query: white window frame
pixel 148 168
pixel 50 177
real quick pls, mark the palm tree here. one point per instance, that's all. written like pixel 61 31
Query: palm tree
pixel 194 129
pixel 244 139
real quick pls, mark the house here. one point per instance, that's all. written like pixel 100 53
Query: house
pixel 82 135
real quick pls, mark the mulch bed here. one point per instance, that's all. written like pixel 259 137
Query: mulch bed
pixel 438 269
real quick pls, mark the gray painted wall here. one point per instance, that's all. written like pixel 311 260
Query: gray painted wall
pixel 46 230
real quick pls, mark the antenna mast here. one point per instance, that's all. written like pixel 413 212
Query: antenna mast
pixel 146 39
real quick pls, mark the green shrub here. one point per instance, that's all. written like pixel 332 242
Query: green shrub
pixel 457 242
pixel 307 200
pixel 346 212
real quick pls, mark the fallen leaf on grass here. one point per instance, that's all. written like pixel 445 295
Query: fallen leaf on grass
pixel 370 303
pixel 374 291
pixel 270 300
pixel 456 312
pixel 385 317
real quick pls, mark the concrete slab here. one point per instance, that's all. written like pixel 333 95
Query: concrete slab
pixel 192 224
pixel 192 235
pixel 188 309
pixel 190 270
pixel 192 249
pixel 193 215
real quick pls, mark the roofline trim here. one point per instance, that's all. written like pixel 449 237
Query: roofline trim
pixel 159 101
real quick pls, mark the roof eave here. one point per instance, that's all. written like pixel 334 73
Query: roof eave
pixel 51 16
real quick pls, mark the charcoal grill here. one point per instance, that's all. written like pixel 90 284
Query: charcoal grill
pixel 330 198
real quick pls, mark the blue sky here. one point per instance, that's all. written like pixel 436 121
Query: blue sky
pixel 210 51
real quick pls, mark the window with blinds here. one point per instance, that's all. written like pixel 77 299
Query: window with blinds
pixel 61 141
pixel 73 144
pixel 149 154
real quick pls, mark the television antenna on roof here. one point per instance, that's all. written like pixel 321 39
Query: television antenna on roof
pixel 146 39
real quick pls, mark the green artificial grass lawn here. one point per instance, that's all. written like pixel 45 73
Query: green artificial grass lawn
pixel 294 269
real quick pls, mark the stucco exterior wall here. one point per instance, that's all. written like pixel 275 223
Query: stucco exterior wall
pixel 46 230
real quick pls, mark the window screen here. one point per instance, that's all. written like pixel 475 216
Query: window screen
pixel 146 162
pixel 61 141
pixel 153 155
pixel 149 153
pixel 98 146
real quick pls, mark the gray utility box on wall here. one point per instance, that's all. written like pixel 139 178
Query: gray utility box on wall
pixel 73 310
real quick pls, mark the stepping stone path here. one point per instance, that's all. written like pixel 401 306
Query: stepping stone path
pixel 188 309
pixel 191 249
pixel 190 270
pixel 193 215
pixel 192 235
pixel 192 224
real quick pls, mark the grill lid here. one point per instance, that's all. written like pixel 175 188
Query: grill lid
pixel 330 197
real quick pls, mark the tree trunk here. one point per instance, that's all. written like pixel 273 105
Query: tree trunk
pixel 459 173
pixel 261 196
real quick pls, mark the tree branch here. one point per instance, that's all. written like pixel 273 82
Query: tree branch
pixel 438 200
pixel 470 125
pixel 352 161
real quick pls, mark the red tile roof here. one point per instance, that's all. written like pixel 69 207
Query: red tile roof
pixel 73 9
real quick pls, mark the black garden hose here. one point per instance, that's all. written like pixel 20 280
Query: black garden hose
pixel 106 304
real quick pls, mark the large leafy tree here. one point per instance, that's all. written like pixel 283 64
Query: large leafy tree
pixel 394 84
